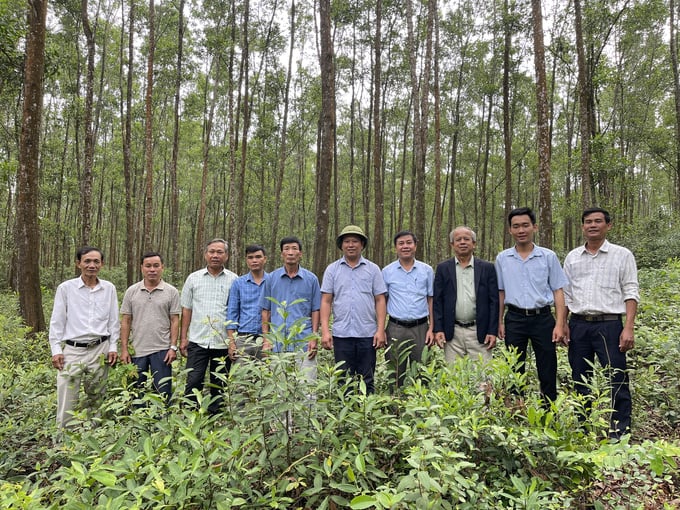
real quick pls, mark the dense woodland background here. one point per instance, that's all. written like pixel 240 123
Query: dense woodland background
pixel 167 123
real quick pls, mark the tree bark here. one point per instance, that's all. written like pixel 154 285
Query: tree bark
pixel 148 131
pixel 28 189
pixel 378 231
pixel 676 96
pixel 584 93
pixel 174 188
pixel 88 162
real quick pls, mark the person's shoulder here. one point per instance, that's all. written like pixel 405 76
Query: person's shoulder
pixel 230 274
pixel 483 263
pixel 306 273
pixel 391 266
pixel 107 284
pixel 167 286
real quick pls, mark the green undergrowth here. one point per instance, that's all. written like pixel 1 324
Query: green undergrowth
pixel 453 437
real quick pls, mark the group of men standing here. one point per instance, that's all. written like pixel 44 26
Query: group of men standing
pixel 463 308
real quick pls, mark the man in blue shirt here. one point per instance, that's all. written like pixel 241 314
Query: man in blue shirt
pixel 409 306
pixel 530 281
pixel 244 315
pixel 353 288
pixel 290 306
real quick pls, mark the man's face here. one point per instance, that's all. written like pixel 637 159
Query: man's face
pixel 351 246
pixel 152 269
pixel 522 230
pixel 595 227
pixel 462 244
pixel 256 261
pixel 291 254
pixel 216 255
pixel 406 247
pixel 90 263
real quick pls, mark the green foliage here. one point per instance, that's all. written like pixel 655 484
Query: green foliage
pixel 453 437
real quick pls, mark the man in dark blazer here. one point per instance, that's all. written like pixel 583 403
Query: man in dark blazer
pixel 465 301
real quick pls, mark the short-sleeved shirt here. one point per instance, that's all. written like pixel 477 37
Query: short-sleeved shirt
pixel 354 290
pixel 292 320
pixel 243 311
pixel 530 282
pixel 207 296
pixel 83 314
pixel 151 312
pixel 600 283
pixel 408 291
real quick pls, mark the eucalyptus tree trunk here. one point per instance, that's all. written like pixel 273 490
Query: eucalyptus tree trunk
pixel 148 131
pixel 438 214
pixel 174 188
pixel 126 115
pixel 543 130
pixel 88 161
pixel 676 96
pixel 584 96
pixel 326 137
pixel 507 133
pixel 27 230
pixel 378 232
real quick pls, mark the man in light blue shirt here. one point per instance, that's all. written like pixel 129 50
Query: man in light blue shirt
pixel 409 306
pixel 530 281
pixel 290 306
pixel 244 315
pixel 353 288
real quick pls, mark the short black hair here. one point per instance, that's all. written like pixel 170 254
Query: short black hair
pixel 592 210
pixel 150 254
pixel 404 233
pixel 290 240
pixel 88 249
pixel 253 248
pixel 521 211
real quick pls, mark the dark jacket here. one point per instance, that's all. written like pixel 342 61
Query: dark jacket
pixel 486 294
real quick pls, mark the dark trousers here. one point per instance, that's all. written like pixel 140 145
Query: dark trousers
pixel 589 339
pixel 160 371
pixel 358 358
pixel 519 329
pixel 198 360
pixel 399 340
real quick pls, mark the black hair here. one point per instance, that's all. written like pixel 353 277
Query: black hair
pixel 150 254
pixel 88 249
pixel 592 210
pixel 404 233
pixel 290 240
pixel 253 248
pixel 521 211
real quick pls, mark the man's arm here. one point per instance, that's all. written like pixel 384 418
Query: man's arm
pixel 627 338
pixel 314 342
pixel 324 319
pixel 379 338
pixel 559 331
pixel 57 328
pixel 184 330
pixel 171 355
pixel 501 309
pixel 429 336
pixel 266 322
pixel 125 325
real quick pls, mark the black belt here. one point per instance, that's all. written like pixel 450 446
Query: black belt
pixel 240 333
pixel 529 312
pixel 409 324
pixel 468 324
pixel 601 317
pixel 88 345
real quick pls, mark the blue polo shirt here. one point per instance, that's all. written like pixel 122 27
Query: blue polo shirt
pixel 530 282
pixel 291 305
pixel 243 310
pixel 407 291
pixel 354 290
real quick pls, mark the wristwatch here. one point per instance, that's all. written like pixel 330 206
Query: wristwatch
pixel 174 348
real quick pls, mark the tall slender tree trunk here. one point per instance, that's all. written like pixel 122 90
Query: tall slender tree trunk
pixel 676 95
pixel 148 131
pixel 438 207
pixel 127 150
pixel 378 232
pixel 543 130
pixel 584 92
pixel 507 133
pixel 27 232
pixel 174 187
pixel 88 162
pixel 327 137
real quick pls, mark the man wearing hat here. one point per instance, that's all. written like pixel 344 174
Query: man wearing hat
pixel 354 289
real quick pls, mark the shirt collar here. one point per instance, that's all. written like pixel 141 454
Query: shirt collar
pixel 362 260
pixel 472 261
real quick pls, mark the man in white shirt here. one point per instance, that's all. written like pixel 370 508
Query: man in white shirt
pixel 203 333
pixel 602 287
pixel 84 330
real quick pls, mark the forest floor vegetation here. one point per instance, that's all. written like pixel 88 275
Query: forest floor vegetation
pixel 453 437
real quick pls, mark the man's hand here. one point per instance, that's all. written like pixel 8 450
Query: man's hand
pixel 125 356
pixel 58 361
pixel 379 339
pixel 232 349
pixel 440 339
pixel 490 342
pixel 327 340
pixel 112 357
pixel 183 346
pixel 559 334
pixel 626 340
pixel 430 339
pixel 170 356
pixel 312 348
pixel 501 330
